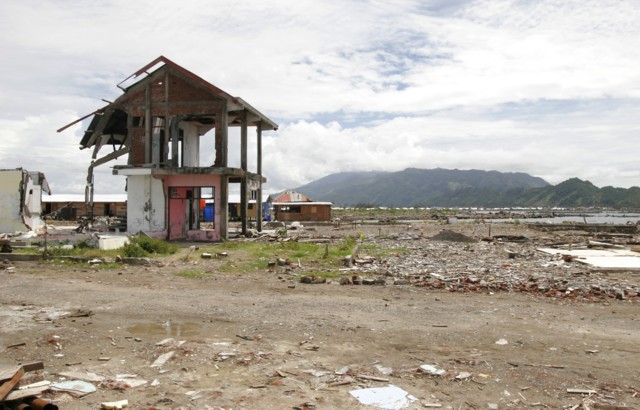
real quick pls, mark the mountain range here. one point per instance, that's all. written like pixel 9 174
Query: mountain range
pixel 463 188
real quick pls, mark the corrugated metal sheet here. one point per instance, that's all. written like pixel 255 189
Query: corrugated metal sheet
pixel 301 203
pixel 65 198
pixel 291 196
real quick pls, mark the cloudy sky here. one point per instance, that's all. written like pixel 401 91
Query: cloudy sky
pixel 550 88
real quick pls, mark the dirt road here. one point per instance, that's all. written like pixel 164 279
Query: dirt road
pixel 257 340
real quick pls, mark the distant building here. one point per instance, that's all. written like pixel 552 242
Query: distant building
pixel 235 208
pixel 20 199
pixel 72 207
pixel 293 206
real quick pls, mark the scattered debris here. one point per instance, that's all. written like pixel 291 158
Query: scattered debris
pixel 76 388
pixel 451 236
pixel 388 398
pixel 432 370
pixel 163 358
pixel 582 391
pixel 115 405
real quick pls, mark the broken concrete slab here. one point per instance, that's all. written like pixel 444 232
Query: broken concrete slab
pixel 609 258
pixel 76 388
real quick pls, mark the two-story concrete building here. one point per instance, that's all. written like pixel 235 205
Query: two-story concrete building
pixel 160 122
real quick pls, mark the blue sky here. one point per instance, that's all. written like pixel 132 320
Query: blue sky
pixel 551 88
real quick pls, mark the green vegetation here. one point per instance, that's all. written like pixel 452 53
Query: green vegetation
pixel 194 273
pixel 461 188
pixel 138 247
pixel 378 252
pixel 107 266
pixel 141 246
pixel 251 256
pixel 231 257
pixel 330 274
pixel 82 252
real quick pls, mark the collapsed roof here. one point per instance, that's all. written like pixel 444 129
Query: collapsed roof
pixel 184 94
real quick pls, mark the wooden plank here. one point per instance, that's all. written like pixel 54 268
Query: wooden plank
pixel 6 373
pixel 32 367
pixel 581 391
pixel 21 394
pixel 10 384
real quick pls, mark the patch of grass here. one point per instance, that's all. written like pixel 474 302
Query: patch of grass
pixel 260 264
pixel 142 246
pixel 31 250
pixel 194 273
pixel 133 250
pixel 155 246
pixel 375 250
pixel 229 267
pixel 252 256
pixel 324 274
pixel 57 250
pixel 108 266
pixel 137 247
pixel 348 244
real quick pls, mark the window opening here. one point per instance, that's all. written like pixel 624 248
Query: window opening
pixel 199 205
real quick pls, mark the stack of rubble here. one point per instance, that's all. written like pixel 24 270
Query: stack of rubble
pixel 457 263
pixel 20 387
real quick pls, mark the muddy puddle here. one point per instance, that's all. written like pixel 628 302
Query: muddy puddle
pixel 168 329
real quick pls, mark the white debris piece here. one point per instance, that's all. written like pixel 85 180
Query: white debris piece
pixel 431 369
pixel 163 358
pixel 115 405
pixel 388 398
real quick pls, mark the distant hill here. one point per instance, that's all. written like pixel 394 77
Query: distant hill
pixel 459 188
pixel 577 193
pixel 418 187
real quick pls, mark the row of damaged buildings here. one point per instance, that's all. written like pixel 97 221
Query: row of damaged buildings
pixel 165 123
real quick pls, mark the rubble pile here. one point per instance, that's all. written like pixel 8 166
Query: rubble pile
pixel 457 263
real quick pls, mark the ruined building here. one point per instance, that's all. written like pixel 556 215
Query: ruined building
pixel 159 122
pixel 20 199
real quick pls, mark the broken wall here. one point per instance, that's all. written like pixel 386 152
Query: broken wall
pixel 11 201
pixel 33 201
pixel 145 204
pixel 191 147
pixel 21 200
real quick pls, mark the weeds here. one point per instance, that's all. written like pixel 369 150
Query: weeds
pixel 324 274
pixel 154 246
pixel 194 273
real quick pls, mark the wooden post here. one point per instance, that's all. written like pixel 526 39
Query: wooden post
pixel 147 124
pixel 174 132
pixel 259 172
pixel 222 136
pixel 224 207
pixel 164 150
pixel 243 165
pixel 129 140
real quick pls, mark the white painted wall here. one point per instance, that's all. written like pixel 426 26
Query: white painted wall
pixel 145 204
pixel 10 219
pixel 33 199
pixel 191 146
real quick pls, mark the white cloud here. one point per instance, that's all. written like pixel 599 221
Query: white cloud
pixel 545 87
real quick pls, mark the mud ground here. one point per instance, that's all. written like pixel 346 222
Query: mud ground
pixel 251 340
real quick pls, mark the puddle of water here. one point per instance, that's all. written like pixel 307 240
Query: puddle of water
pixel 168 329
